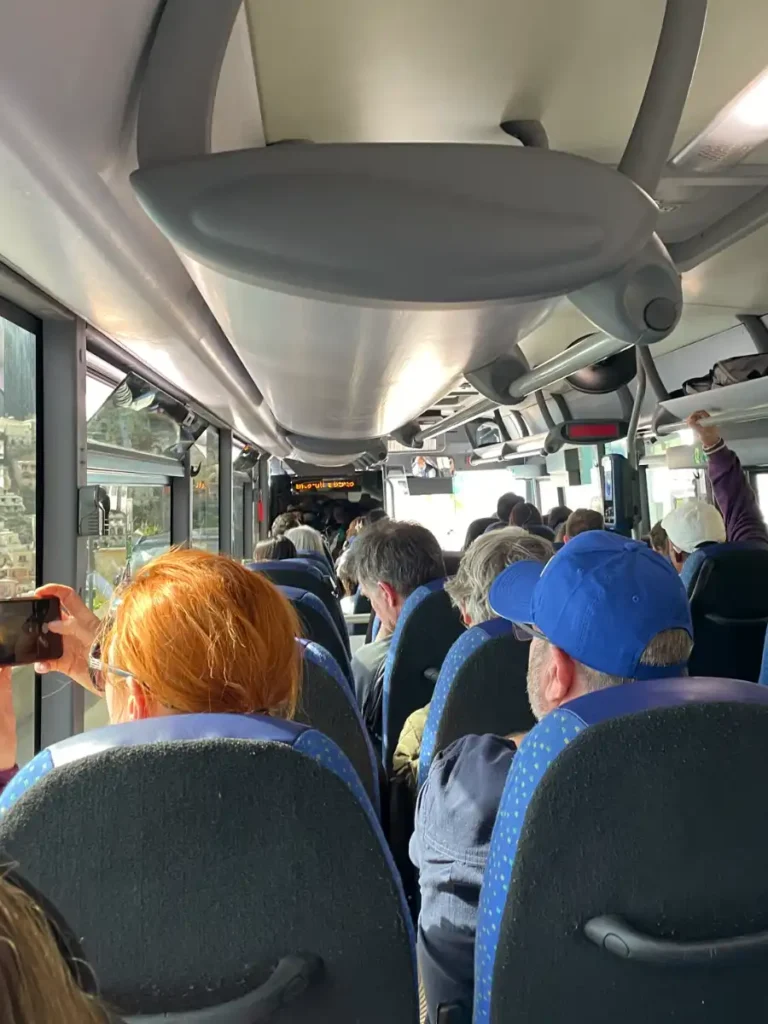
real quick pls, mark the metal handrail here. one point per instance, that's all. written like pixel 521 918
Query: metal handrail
pixel 584 353
pixel 458 419
pixel 721 418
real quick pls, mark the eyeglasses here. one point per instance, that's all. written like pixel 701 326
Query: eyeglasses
pixel 98 668
pixel 526 631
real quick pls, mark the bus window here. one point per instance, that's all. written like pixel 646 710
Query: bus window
pixel 761 487
pixel 668 488
pixel 138 529
pixel 205 491
pixel 18 494
pixel 448 516
pixel 547 495
pixel 588 493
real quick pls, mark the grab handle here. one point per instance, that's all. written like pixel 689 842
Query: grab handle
pixel 292 976
pixel 615 936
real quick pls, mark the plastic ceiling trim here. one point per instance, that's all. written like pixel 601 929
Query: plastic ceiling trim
pixel 180 82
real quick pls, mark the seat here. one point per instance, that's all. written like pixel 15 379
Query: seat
pixel 640 801
pixel 319 626
pixel 305 575
pixel 426 629
pixel 322 561
pixel 728 590
pixel 218 861
pixel 327 704
pixel 481 689
pixel 451 560
pixel 362 607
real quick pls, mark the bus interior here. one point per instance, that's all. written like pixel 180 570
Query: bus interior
pixel 332 257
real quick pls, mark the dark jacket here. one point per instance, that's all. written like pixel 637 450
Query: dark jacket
pixel 368 665
pixel 735 497
pixel 737 503
pixel 455 815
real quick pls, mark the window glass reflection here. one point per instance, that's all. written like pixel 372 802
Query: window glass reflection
pixel 18 443
pixel 205 490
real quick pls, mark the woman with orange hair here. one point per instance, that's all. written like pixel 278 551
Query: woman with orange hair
pixel 191 632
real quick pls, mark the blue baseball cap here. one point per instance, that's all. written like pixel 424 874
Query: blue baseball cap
pixel 601 599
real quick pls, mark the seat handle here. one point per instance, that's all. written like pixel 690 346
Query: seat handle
pixel 615 936
pixel 292 976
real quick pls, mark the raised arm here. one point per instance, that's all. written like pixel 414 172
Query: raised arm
pixel 733 493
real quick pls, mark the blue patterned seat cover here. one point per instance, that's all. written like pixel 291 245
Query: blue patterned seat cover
pixel 536 753
pixel 467 644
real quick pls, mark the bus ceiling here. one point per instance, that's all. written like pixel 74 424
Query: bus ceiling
pixel 341 286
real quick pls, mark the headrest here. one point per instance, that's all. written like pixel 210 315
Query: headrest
pixel 492 628
pixel 298 596
pixel 172 728
pixel 294 564
pixel 314 556
pixel 317 654
pixel 730 560
pixel 658 693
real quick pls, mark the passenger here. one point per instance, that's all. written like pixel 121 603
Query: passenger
pixel 274 550
pixel 192 632
pixel 504 507
pixel 557 516
pixel 391 560
pixel 696 524
pixel 337 531
pixel 529 518
pixel 375 516
pixel 659 539
pixel 305 538
pixel 37 983
pixel 477 528
pixel 468 591
pixel 582 520
pixel 605 611
pixel 348 579
pixel 284 522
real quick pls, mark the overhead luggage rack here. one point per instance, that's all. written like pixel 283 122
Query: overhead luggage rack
pixel 394 255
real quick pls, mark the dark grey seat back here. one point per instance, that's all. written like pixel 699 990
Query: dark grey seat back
pixel 728 591
pixel 318 625
pixel 426 630
pixel 482 688
pixel 328 705
pixel 189 869
pixel 303 575
pixel 652 818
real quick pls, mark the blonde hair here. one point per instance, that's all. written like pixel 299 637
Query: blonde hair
pixel 306 538
pixel 200 632
pixel 482 562
pixel 36 983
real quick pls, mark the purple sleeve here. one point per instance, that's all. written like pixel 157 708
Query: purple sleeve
pixel 736 499
pixel 6 774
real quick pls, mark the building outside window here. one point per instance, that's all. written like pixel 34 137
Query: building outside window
pixel 18 498
pixel 205 490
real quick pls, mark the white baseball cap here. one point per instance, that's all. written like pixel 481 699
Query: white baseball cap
pixel 693 523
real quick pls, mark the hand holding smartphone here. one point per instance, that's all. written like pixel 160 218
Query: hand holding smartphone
pixel 24 634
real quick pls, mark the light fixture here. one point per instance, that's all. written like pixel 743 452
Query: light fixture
pixel 740 127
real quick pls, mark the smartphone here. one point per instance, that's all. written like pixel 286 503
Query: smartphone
pixel 24 634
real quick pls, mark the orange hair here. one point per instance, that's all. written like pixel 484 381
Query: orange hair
pixel 200 632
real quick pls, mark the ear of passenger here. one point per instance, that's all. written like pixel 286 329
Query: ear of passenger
pixel 561 679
